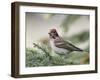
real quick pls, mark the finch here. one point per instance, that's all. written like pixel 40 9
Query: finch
pixel 59 45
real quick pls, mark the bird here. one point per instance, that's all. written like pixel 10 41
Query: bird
pixel 59 45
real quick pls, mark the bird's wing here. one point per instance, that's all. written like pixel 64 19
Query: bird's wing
pixel 66 45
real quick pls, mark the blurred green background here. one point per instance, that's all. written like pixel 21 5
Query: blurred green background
pixel 73 28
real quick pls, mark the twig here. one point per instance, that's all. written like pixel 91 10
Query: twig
pixel 35 45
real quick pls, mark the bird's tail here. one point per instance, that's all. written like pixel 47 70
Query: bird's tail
pixel 78 49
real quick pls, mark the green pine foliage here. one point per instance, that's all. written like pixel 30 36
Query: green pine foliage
pixel 40 56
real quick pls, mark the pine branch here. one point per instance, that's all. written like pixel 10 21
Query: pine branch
pixel 47 53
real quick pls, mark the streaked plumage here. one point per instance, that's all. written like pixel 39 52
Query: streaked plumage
pixel 59 45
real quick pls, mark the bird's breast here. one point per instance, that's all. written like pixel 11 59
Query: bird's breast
pixel 57 49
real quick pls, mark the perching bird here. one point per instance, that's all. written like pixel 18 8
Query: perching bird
pixel 60 46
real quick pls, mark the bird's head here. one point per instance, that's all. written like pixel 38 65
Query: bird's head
pixel 53 33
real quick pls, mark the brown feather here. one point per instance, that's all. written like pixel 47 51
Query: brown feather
pixel 60 43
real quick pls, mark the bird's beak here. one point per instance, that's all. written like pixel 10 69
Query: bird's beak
pixel 48 33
